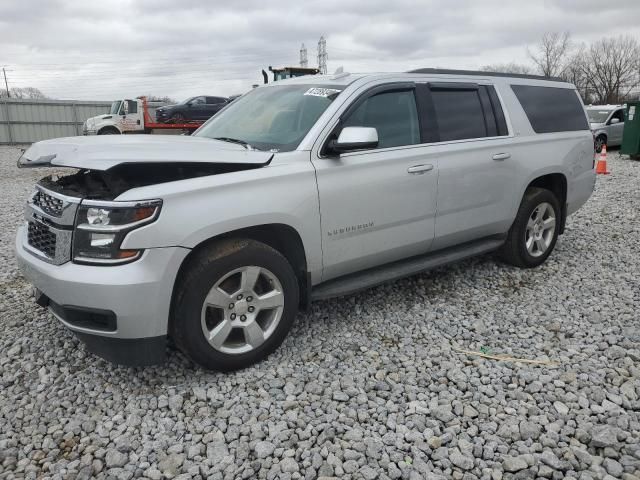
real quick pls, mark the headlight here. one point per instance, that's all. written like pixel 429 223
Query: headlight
pixel 102 226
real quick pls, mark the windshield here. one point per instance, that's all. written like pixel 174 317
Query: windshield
pixel 598 116
pixel 115 107
pixel 271 118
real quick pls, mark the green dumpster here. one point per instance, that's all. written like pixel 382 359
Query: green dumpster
pixel 631 133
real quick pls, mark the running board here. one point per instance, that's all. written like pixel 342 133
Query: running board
pixel 403 268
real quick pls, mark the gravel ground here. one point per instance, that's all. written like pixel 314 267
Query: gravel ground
pixel 365 387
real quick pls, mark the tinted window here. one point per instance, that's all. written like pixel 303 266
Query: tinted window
pixel 215 100
pixel 393 114
pixel 197 101
pixel 501 122
pixel 459 114
pixel 619 115
pixel 132 106
pixel 551 109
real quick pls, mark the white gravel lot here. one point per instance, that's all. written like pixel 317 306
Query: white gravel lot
pixel 365 387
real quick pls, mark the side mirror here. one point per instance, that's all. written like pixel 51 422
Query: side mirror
pixel 613 121
pixel 355 138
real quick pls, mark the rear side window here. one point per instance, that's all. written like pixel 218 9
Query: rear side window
pixel 459 114
pixel 551 109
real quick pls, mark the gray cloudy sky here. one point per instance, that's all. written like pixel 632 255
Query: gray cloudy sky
pixel 108 49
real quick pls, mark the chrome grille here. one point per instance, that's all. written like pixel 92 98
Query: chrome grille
pixel 49 228
pixel 48 203
pixel 42 238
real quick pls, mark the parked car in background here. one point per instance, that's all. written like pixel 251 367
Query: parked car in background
pixel 607 125
pixel 304 189
pixel 194 108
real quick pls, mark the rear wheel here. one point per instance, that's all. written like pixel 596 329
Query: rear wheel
pixel 534 232
pixel 234 305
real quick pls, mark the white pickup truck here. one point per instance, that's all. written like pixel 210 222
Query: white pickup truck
pixel 302 189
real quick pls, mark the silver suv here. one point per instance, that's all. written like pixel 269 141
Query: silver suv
pixel 300 190
pixel 607 125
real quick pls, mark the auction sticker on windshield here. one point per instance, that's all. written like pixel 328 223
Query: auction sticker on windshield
pixel 321 92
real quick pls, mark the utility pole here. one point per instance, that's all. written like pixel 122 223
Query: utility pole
pixel 322 55
pixel 6 85
pixel 303 56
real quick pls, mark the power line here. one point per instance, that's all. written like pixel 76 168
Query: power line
pixel 6 85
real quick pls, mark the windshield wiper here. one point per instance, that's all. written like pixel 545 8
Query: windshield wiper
pixel 247 145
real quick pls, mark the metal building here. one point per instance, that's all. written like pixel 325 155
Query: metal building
pixel 28 120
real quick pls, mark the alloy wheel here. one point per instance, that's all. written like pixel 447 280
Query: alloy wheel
pixel 242 310
pixel 540 229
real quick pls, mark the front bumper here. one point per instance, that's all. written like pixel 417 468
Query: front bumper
pixel 138 295
pixel 162 117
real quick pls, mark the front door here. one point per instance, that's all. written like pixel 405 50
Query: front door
pixel 616 129
pixel 130 118
pixel 379 205
pixel 197 109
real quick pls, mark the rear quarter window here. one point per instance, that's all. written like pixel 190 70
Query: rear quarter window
pixel 551 109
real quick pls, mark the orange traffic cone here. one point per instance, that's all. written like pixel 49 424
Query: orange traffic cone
pixel 601 167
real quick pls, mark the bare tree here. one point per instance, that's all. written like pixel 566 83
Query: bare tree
pixel 157 98
pixel 25 93
pixel 577 71
pixel 510 67
pixel 612 68
pixel 550 55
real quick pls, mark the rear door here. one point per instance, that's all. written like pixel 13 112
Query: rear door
pixel 378 205
pixel 476 176
pixel 214 104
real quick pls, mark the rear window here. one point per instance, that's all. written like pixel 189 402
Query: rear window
pixel 551 109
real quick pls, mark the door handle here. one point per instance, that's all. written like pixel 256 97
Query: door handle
pixel 419 169
pixel 501 156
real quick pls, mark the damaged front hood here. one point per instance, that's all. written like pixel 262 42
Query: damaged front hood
pixel 105 152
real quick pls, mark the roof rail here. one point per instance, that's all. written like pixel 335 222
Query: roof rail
pixel 484 74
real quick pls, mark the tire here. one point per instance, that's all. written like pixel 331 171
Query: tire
pixel 108 131
pixel 177 118
pixel 533 235
pixel 216 274
pixel 599 142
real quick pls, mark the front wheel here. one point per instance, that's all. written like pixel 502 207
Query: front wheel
pixel 108 131
pixel 234 305
pixel 534 232
pixel 599 142
pixel 178 118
